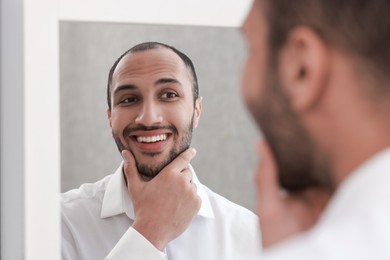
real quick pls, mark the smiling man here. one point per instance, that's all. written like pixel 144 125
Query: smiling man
pixel 153 206
pixel 155 124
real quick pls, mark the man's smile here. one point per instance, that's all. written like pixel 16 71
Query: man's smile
pixel 151 139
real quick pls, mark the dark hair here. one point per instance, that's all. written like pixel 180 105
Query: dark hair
pixel 149 46
pixel 360 28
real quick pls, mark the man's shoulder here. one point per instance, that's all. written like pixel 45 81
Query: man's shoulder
pixel 237 221
pixel 85 194
pixel 227 207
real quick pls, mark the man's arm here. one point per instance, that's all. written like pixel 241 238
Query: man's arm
pixel 134 246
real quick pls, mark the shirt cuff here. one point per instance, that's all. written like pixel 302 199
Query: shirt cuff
pixel 133 245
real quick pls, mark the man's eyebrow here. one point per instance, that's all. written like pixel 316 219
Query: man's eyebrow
pixel 124 87
pixel 158 82
pixel 167 80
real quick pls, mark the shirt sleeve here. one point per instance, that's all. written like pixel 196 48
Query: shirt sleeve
pixel 134 246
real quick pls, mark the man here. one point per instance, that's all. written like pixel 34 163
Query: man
pixel 153 206
pixel 317 83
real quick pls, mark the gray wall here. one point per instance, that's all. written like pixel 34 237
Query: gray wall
pixel 225 138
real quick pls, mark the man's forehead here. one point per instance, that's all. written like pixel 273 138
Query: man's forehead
pixel 151 56
pixel 158 61
pixel 157 58
pixel 255 21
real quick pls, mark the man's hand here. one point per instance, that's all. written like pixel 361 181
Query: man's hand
pixel 165 206
pixel 283 214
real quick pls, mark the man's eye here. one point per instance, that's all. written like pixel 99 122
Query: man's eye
pixel 129 100
pixel 169 95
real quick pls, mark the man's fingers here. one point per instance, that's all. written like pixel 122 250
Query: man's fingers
pixel 181 162
pixel 134 181
pixel 187 175
pixel 267 175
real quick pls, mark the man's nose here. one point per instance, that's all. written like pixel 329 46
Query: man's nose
pixel 149 114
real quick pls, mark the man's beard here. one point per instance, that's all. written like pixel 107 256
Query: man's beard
pixel 301 164
pixel 147 171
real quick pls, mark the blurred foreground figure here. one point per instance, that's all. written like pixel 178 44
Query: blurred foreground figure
pixel 317 83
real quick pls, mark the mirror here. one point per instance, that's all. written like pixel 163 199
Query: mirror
pixel 225 137
pixel 29 59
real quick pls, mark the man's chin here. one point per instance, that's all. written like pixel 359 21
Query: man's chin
pixel 149 164
pixel 147 177
pixel 148 168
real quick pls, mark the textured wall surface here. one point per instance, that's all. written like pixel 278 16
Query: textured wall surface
pixel 225 138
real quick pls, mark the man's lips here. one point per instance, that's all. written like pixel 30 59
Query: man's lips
pixel 150 140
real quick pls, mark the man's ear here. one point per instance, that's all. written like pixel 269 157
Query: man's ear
pixel 304 67
pixel 109 116
pixel 197 112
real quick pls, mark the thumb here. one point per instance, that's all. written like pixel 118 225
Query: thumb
pixel 134 181
pixel 267 174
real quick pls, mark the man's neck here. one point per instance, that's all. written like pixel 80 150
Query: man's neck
pixel 351 153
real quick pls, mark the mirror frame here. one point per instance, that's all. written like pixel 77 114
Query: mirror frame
pixel 37 152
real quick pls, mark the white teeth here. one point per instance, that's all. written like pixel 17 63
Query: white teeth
pixel 151 139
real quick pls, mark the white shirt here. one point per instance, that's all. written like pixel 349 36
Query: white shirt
pixel 97 219
pixel 355 224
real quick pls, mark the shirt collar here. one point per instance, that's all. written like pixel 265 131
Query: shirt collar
pixel 367 184
pixel 117 200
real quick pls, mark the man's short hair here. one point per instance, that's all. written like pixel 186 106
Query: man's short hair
pixel 149 46
pixel 360 28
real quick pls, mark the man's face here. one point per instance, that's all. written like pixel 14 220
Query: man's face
pixel 153 111
pixel 295 154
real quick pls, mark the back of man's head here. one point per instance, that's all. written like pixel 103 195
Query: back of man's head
pixel 359 28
